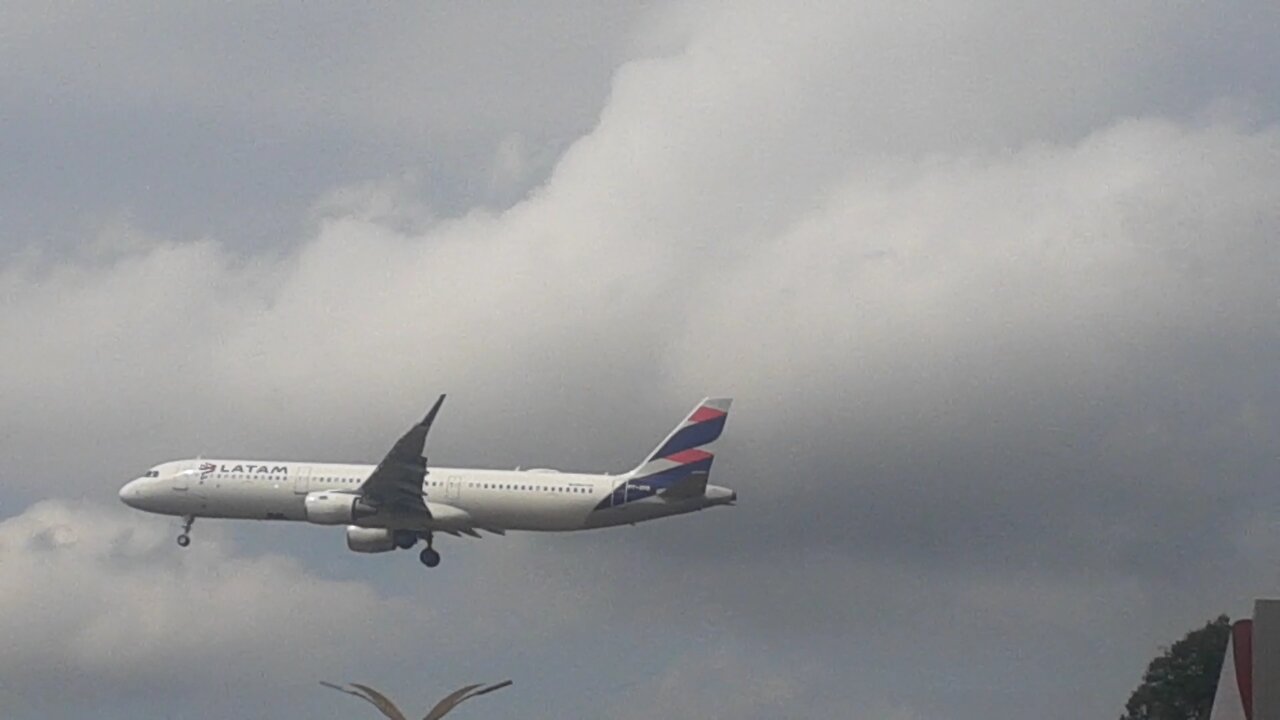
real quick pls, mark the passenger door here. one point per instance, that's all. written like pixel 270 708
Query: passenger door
pixel 453 487
pixel 302 479
pixel 188 484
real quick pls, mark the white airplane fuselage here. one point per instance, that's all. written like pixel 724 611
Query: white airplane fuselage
pixel 401 500
pixel 539 500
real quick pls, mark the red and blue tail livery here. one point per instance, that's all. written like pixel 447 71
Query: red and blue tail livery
pixel 681 464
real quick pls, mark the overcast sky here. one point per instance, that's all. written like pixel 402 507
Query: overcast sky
pixel 994 288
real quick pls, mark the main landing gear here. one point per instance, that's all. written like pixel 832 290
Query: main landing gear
pixel 184 539
pixel 429 556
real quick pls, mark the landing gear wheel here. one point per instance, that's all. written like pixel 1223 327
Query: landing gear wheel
pixel 429 557
pixel 187 521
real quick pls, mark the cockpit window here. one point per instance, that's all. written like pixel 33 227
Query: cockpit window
pixel 152 473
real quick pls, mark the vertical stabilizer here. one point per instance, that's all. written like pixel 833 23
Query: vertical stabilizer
pixel 681 464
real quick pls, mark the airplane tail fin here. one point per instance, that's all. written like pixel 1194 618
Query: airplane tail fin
pixel 681 464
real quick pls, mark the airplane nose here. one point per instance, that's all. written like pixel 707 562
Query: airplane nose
pixel 129 493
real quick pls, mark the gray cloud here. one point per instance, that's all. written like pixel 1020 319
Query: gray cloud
pixel 199 122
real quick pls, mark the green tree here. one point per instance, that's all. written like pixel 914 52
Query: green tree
pixel 1179 684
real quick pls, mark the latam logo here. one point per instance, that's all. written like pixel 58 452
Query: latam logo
pixel 207 468
pixel 257 469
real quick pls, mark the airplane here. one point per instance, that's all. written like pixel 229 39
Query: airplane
pixel 400 501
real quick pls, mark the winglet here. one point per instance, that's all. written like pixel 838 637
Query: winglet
pixel 411 447
pixel 431 414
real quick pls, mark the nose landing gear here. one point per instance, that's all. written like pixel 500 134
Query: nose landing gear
pixel 429 556
pixel 185 539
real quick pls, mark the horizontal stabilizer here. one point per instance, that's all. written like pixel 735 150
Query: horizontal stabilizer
pixel 691 486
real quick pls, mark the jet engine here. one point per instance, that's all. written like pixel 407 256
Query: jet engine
pixel 370 540
pixel 336 508
pixel 376 540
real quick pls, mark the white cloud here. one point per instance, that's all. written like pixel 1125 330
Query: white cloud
pixel 1050 267
pixel 1051 270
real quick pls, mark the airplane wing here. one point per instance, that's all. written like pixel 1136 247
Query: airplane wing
pixel 397 481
